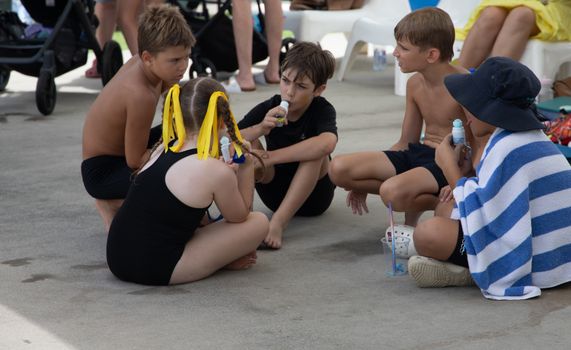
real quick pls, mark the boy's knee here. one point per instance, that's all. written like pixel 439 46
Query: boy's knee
pixel 391 191
pixel 261 222
pixel 338 172
pixel 425 236
pixel 259 218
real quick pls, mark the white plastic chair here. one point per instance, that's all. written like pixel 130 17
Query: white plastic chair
pixel 546 59
pixel 378 30
pixel 314 25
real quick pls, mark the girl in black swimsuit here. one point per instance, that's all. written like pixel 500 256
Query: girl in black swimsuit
pixel 156 237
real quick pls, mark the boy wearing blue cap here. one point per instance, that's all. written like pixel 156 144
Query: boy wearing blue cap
pixel 512 224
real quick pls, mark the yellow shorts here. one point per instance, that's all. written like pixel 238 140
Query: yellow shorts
pixel 552 19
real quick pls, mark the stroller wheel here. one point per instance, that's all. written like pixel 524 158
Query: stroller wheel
pixel 287 43
pixel 112 61
pixel 46 93
pixel 202 67
pixel 4 77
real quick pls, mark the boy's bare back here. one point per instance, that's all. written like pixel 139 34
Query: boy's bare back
pixel 430 101
pixel 123 111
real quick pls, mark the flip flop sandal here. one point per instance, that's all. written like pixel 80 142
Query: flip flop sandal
pixel 232 87
pixel 404 244
pixel 261 79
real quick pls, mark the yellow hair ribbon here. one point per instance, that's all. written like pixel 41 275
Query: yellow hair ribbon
pixel 208 134
pixel 173 113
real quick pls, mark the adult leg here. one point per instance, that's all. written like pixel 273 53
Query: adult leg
pixel 217 245
pixel 301 186
pixel 481 37
pixel 105 13
pixel 243 29
pixel 274 21
pixel 518 27
pixel 411 192
pixel 128 12
pixel 107 208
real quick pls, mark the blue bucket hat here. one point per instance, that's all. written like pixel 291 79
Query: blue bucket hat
pixel 501 93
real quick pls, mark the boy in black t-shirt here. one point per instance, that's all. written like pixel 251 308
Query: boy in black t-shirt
pixel 295 179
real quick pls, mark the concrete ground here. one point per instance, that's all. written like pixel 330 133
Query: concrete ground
pixel 326 289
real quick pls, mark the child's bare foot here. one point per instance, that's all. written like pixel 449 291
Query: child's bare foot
pixel 243 263
pixel 274 238
pixel 107 209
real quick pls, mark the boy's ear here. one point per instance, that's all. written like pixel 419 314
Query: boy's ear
pixel 433 55
pixel 146 57
pixel 319 90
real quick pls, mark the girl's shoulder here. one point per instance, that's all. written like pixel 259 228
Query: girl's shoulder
pixel 207 168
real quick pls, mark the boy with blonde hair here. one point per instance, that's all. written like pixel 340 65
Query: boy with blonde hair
pixel 406 175
pixel 116 136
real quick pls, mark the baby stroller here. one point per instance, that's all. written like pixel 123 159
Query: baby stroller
pixel 66 31
pixel 215 49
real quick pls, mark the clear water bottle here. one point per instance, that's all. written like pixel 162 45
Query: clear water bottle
pixel 225 148
pixel 379 59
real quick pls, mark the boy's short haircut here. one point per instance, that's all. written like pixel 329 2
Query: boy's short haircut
pixel 428 28
pixel 309 59
pixel 161 27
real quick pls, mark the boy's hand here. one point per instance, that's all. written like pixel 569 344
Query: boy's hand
pixel 465 160
pixel 447 155
pixel 272 119
pixel 246 145
pixel 357 201
pixel 454 160
pixel 446 194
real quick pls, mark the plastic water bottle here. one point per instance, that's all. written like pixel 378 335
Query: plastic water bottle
pixel 281 118
pixel 458 135
pixel 379 59
pixel 225 148
pixel 546 93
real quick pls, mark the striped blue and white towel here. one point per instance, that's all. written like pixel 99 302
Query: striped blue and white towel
pixel 516 216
